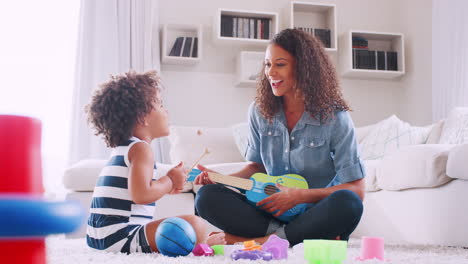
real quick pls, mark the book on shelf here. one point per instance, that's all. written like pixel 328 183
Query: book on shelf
pixel 359 42
pixel 361 59
pixel 251 28
pixel 266 29
pixel 240 27
pixel 187 47
pixel 392 61
pixel 195 48
pixel 324 36
pixel 226 26
pixel 259 29
pixel 245 27
pixel 381 61
pixel 177 47
pixel 374 60
pixel 234 27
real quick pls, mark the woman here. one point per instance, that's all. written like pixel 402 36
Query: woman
pixel 298 124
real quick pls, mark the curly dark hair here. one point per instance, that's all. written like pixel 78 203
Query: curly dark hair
pixel 121 103
pixel 316 80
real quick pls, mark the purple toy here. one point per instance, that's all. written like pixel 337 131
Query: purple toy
pixel 203 250
pixel 278 247
pixel 251 254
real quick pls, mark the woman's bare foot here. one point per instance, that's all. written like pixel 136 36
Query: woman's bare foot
pixel 216 238
pixel 231 239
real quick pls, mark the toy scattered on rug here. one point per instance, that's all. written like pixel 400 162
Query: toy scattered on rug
pixel 372 248
pixel 203 250
pixel 273 248
pixel 317 251
pixel 278 247
pixel 251 254
pixel 175 237
pixel 225 250
pixel 251 245
pixel 25 217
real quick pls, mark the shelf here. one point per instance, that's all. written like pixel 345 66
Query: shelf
pixel 249 65
pixel 315 16
pixel 251 17
pixel 379 41
pixel 170 33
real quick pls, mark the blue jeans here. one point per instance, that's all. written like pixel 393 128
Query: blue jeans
pixel 336 215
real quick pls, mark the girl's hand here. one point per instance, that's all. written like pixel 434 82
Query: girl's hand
pixel 178 176
pixel 202 178
pixel 281 201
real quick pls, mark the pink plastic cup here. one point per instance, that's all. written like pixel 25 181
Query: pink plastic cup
pixel 372 248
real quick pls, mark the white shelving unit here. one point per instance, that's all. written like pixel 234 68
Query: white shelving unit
pixel 170 32
pixel 379 41
pixel 244 14
pixel 249 64
pixel 315 15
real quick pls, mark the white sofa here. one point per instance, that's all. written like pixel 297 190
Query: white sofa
pixel 416 193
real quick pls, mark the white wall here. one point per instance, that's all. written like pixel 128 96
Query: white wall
pixel 205 94
pixel 415 20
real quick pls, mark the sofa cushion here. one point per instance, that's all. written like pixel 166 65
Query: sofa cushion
pixel 189 143
pixel 455 130
pixel 436 132
pixel 389 135
pixel 457 163
pixel 371 180
pixel 82 176
pixel 418 166
pixel 241 134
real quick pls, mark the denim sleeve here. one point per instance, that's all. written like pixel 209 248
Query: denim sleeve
pixel 253 143
pixel 343 144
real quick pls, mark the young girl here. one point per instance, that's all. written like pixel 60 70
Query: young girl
pixel 127 111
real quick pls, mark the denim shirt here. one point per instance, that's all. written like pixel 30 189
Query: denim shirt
pixel 325 154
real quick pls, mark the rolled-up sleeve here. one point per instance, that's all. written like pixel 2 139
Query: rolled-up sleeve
pixel 343 144
pixel 253 143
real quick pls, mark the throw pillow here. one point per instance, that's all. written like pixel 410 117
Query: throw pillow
pixel 189 143
pixel 419 166
pixel 455 130
pixel 370 179
pixel 436 131
pixel 362 132
pixel 240 132
pixel 389 135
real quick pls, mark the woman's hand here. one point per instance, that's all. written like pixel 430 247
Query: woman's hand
pixel 202 178
pixel 178 176
pixel 281 201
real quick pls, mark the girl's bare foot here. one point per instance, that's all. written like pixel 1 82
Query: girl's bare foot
pixel 216 238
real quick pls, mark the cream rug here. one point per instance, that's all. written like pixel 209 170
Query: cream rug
pixel 71 251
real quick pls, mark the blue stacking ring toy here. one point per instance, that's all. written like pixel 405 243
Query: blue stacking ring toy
pixel 29 216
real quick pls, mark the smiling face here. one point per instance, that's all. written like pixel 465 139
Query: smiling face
pixel 279 70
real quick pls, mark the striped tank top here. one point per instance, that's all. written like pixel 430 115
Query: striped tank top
pixel 114 218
